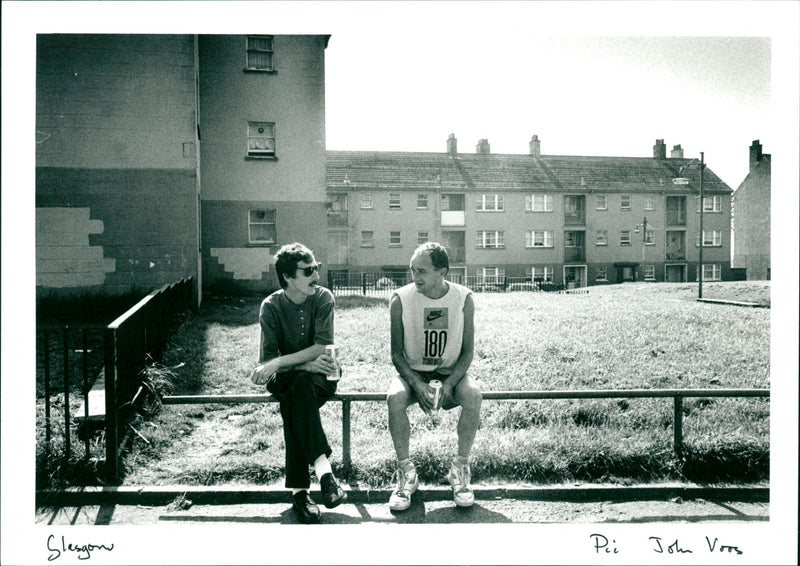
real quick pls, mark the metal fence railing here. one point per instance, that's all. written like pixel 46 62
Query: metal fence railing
pixel 347 398
pixel 70 358
pixel 384 283
pixel 139 333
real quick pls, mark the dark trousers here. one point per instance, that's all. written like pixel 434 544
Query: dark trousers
pixel 301 394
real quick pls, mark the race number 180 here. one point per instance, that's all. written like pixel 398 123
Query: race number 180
pixel 435 342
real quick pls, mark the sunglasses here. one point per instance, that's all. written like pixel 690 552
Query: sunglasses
pixel 308 271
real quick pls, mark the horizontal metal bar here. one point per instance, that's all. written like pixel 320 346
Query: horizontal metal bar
pixel 497 395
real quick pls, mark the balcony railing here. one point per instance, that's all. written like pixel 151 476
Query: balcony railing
pixel 453 218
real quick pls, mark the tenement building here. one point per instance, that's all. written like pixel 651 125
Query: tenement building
pixel 571 220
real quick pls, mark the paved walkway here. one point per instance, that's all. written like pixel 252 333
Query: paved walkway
pixel 431 504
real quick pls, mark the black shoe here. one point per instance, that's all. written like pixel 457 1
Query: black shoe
pixel 332 494
pixel 305 508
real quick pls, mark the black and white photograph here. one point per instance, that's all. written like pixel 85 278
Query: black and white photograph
pixel 458 282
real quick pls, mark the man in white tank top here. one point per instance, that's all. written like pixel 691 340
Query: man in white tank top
pixel 432 335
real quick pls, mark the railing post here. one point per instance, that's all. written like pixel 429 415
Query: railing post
pixel 346 461
pixel 67 441
pixel 677 426
pixel 110 353
pixel 363 283
pixel 86 391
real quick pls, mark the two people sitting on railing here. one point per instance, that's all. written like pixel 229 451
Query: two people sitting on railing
pixel 296 324
pixel 432 343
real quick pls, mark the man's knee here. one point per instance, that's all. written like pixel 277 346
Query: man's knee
pixel 470 396
pixel 397 400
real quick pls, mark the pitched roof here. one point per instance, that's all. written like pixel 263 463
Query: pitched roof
pixel 396 170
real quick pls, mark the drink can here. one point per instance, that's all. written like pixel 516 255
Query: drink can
pixel 436 385
pixel 331 351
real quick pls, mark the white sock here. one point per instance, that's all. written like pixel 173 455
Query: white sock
pixel 296 490
pixel 405 464
pixel 322 466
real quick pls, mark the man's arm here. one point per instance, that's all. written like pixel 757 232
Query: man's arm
pixel 467 349
pixel 312 359
pixel 405 371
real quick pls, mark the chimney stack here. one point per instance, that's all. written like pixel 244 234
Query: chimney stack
pixel 482 147
pixel 755 153
pixel 677 152
pixel 660 150
pixel 534 146
pixel 452 145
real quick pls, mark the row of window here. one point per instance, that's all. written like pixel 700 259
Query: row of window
pixel 495 239
pixel 539 202
pixel 262 230
pixel 711 272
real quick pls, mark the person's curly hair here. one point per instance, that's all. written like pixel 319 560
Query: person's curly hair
pixel 288 257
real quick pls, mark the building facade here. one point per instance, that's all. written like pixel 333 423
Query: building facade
pixel 165 156
pixel 570 220
pixel 751 217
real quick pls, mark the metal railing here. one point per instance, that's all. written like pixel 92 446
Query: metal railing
pixel 67 341
pixel 347 398
pixel 384 283
pixel 141 332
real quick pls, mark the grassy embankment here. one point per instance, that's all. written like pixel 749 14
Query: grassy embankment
pixel 617 337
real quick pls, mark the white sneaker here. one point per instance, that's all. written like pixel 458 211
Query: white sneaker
pixel 459 480
pixel 407 483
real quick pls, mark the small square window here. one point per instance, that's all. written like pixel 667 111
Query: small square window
pixel 602 238
pixel 367 239
pixel 394 201
pixel 261 139
pixel 625 238
pixel 625 202
pixel 422 237
pixel 602 273
pixel 649 272
pixel 394 239
pixel 261 227
pixel 649 203
pixel 601 202
pixel 366 200
pixel 259 53
pixel 422 200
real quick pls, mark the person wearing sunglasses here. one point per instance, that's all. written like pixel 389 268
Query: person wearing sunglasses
pixel 296 324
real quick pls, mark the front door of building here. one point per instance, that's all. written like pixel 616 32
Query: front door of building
pixel 676 273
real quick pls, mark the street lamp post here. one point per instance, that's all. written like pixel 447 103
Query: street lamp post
pixel 700 253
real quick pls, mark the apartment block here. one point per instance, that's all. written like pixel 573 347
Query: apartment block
pixel 165 156
pixel 572 220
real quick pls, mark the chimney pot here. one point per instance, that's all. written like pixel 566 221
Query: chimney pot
pixel 755 153
pixel 482 147
pixel 660 150
pixel 452 145
pixel 677 152
pixel 535 147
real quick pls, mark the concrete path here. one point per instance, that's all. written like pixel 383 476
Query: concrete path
pixel 431 504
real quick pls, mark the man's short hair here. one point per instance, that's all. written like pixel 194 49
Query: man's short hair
pixel 438 253
pixel 288 257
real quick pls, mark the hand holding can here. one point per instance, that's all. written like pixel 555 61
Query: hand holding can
pixel 331 351
pixel 436 385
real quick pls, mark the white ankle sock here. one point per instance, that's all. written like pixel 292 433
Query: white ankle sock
pixel 296 490
pixel 322 466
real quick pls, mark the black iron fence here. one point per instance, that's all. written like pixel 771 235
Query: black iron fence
pixel 136 336
pixel 384 283
pixel 98 367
